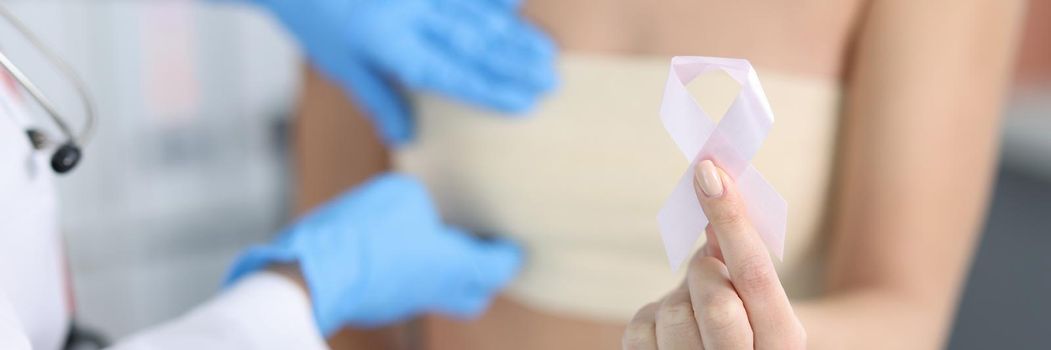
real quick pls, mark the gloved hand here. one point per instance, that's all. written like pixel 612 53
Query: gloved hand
pixel 476 51
pixel 380 254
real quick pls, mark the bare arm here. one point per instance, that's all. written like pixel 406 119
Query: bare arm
pixel 919 150
pixel 336 148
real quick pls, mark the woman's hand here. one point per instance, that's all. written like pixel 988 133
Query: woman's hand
pixel 732 298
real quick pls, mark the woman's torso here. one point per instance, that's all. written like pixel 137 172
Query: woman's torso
pixel 585 175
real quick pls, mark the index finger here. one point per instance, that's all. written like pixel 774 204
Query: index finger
pixel 747 259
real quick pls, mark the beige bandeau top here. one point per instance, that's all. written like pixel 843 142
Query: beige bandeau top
pixel 579 181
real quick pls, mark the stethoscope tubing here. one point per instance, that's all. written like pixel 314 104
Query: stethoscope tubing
pixel 84 136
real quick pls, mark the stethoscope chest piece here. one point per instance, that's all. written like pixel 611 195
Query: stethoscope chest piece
pixel 65 158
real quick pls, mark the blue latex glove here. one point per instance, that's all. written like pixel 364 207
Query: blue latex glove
pixel 476 51
pixel 380 254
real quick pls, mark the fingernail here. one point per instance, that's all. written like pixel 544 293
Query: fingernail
pixel 710 183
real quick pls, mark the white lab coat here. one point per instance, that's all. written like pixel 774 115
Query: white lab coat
pixel 263 311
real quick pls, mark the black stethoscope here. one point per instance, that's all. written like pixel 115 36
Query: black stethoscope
pixel 68 153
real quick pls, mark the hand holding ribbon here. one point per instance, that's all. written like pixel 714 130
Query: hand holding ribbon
pixel 732 297
pixel 731 145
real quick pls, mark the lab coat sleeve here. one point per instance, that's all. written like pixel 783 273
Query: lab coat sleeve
pixel 261 312
pixel 11 334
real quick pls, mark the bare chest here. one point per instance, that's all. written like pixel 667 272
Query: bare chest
pixel 802 36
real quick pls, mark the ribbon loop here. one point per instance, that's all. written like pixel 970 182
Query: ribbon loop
pixel 731 144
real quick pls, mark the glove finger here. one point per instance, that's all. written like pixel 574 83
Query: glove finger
pixel 506 5
pixel 432 71
pixel 485 265
pixel 429 63
pixel 383 102
pixel 490 263
pixel 503 45
pixel 524 53
pixel 521 55
pixel 534 41
pixel 502 27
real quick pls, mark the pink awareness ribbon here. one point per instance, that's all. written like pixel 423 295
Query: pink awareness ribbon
pixel 730 145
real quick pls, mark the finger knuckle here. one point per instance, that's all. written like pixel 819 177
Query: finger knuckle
pixel 676 314
pixel 701 265
pixel 638 335
pixel 641 324
pixel 644 313
pixel 728 216
pixel 720 310
pixel 755 275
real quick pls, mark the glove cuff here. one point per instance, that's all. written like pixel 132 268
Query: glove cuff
pixel 291 247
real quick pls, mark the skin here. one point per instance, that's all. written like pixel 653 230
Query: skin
pixel 731 298
pixel 920 147
pixel 916 155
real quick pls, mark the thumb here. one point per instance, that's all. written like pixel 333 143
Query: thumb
pixel 492 263
pixel 487 266
pixel 496 265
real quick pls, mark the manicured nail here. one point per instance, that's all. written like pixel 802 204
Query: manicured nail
pixel 709 179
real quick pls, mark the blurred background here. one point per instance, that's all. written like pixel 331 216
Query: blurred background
pixel 1005 304
pixel 188 165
